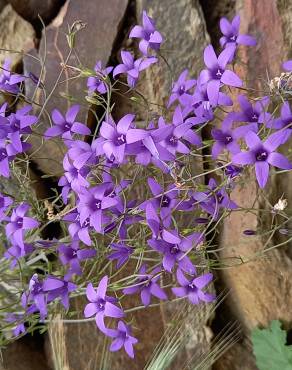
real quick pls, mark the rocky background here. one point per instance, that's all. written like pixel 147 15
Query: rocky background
pixel 259 291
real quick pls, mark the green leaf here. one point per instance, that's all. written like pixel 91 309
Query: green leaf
pixel 270 349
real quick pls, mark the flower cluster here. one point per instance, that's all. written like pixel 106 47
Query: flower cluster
pixel 100 203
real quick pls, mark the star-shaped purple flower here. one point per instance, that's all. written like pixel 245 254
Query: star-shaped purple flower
pixel 174 249
pixel 7 154
pixel 150 37
pixel 255 115
pixel 97 83
pixel 214 199
pixel 66 126
pixel 284 122
pixel 20 123
pixel 78 230
pixel 217 75
pixel 132 67
pixel 92 205
pixel 263 154
pixel 71 255
pixel 121 253
pixel 181 90
pixel 115 137
pixel 231 36
pixel 165 202
pixel 19 223
pixel 100 304
pixel 123 338
pixel 147 286
pixel 5 203
pixel 226 137
pixel 193 289
pixel 9 82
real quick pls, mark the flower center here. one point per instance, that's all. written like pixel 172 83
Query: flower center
pixel 121 139
pixel 67 126
pixel 181 90
pixel 218 74
pixel 101 304
pixel 228 139
pixel 174 249
pixel 97 204
pixel 19 222
pixel 192 287
pixel 86 223
pixel 232 38
pixel 173 140
pixel 255 117
pixel 262 155
pixel 164 201
pixel 3 153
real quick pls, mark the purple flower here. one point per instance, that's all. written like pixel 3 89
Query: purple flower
pixel 254 115
pixel 232 171
pixel 82 153
pixel 181 88
pixel 78 229
pixel 262 154
pixel 165 202
pixel 100 304
pixel 15 252
pixel 71 255
pixel 201 104
pixel 192 289
pixel 178 132
pixel 97 83
pixel 20 123
pixel 147 286
pixel 216 74
pixel 287 65
pixel 123 218
pixel 19 223
pixel 7 154
pixel 231 36
pixel 147 145
pixel 92 205
pixel 131 67
pixel 115 137
pixel 8 81
pixel 121 253
pixel 174 249
pixel 18 321
pixel 124 338
pixel 37 295
pixel 65 126
pixel 150 37
pixel 75 176
pixel 226 138
pixel 5 203
pixel 214 199
pixel 283 122
pixel 58 288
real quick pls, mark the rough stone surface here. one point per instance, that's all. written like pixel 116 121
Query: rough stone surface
pixel 258 287
pixel 238 357
pixel 2 4
pixel 182 23
pixel 31 10
pixel 93 43
pixel 23 354
pixel 15 34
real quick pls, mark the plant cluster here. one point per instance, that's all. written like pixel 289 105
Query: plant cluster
pixel 116 241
